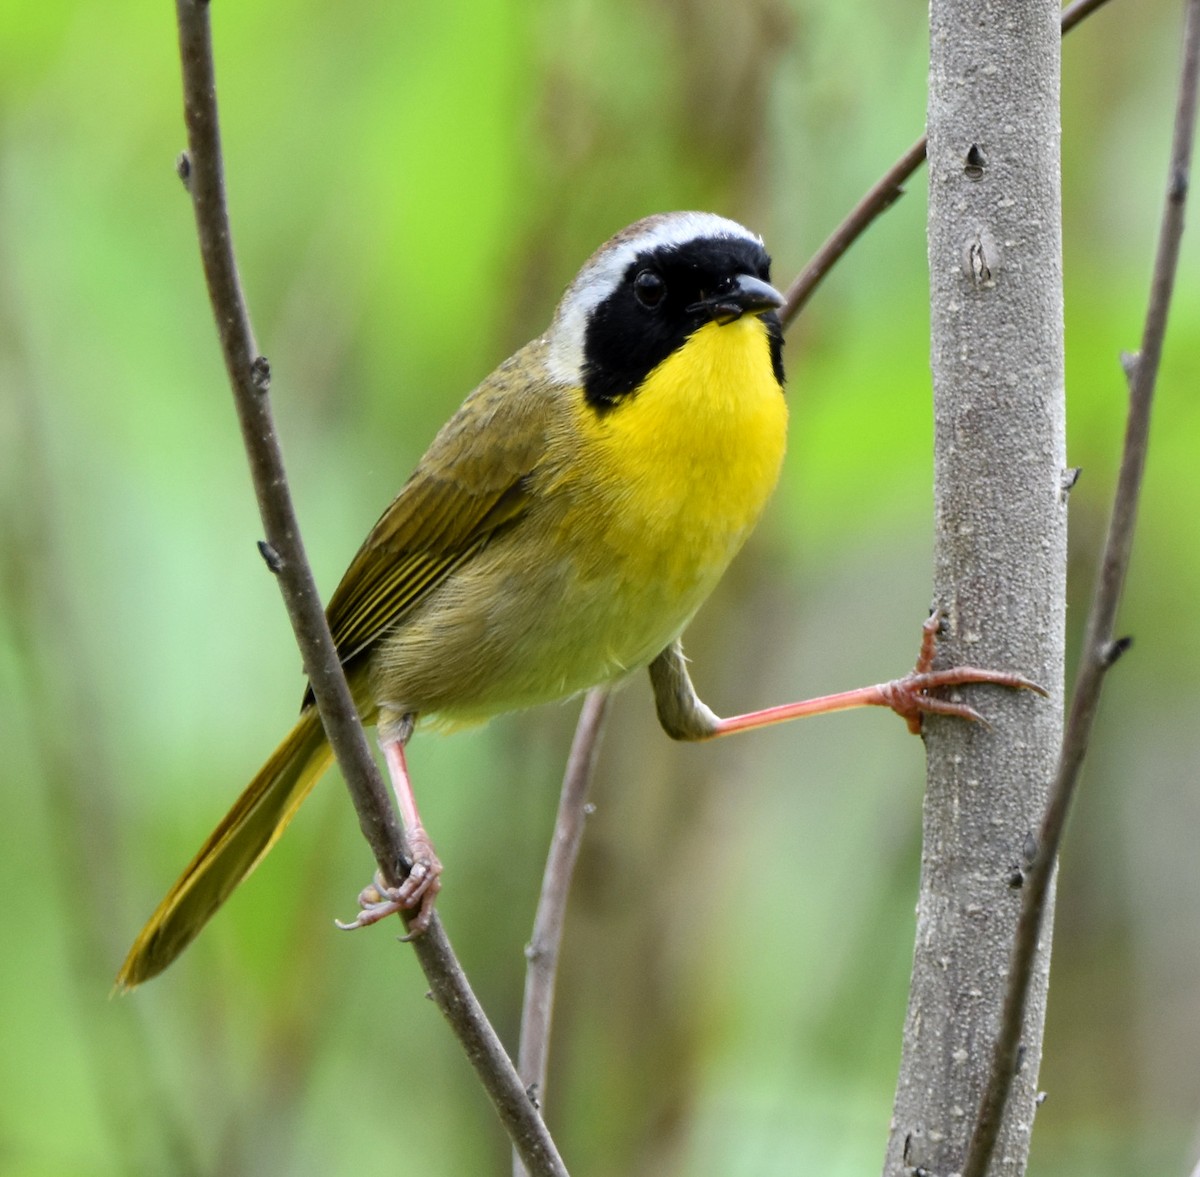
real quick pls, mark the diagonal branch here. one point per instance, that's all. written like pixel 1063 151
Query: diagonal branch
pixel 1100 650
pixel 203 171
pixel 879 198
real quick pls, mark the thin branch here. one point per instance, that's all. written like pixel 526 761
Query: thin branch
pixel 249 374
pixel 879 198
pixel 543 949
pixel 203 171
pixel 1100 650
pixel 1080 10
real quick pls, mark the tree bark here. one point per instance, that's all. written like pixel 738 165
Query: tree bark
pixel 1000 563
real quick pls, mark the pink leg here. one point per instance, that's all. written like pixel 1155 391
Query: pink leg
pixel 423 881
pixel 907 696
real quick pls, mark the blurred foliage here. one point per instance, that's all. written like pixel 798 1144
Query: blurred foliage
pixel 411 186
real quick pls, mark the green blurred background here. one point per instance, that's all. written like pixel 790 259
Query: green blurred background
pixel 412 185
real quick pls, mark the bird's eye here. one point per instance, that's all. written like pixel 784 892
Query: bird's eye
pixel 649 288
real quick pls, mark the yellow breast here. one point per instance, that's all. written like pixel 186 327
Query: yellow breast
pixel 689 461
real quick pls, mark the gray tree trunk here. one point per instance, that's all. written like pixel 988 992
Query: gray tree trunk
pixel 999 422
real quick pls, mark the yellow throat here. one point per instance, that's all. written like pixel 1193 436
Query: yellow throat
pixel 698 448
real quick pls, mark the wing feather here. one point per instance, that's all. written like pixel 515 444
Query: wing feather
pixel 474 481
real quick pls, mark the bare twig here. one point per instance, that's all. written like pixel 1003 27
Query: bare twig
pixel 1100 650
pixel 543 948
pixel 1074 13
pixel 203 171
pixel 879 198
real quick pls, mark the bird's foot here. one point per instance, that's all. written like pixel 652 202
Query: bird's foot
pixel 417 892
pixel 909 696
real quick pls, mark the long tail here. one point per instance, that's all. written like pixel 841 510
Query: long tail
pixel 258 817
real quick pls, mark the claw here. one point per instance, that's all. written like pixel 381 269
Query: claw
pixel 418 890
pixel 908 697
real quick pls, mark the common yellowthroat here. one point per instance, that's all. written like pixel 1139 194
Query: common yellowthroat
pixel 559 533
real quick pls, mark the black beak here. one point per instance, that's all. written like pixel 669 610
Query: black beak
pixel 739 295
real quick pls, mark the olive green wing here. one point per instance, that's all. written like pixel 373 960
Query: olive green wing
pixel 474 481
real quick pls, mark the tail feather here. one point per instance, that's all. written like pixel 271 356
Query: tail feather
pixel 254 824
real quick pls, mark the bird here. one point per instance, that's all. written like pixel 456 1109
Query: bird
pixel 560 532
